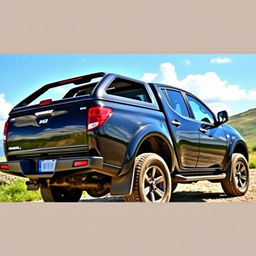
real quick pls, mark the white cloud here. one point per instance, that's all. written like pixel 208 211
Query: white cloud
pixel 187 62
pixel 220 60
pixel 149 77
pixel 168 74
pixel 208 86
pixel 5 108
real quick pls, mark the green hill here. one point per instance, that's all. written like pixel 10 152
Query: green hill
pixel 245 123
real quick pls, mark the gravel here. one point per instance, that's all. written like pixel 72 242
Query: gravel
pixel 6 179
pixel 203 191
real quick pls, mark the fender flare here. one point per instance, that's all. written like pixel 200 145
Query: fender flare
pixel 231 150
pixel 122 185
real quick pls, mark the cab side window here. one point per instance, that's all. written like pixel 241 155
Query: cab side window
pixel 201 113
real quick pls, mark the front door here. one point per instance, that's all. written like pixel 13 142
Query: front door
pixel 213 142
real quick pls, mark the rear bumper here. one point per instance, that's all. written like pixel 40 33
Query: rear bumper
pixel 65 166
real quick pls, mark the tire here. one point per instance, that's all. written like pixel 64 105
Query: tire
pixel 237 181
pixel 60 194
pixel 152 180
pixel 174 186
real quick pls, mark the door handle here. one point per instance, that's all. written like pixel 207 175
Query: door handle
pixel 202 130
pixel 176 123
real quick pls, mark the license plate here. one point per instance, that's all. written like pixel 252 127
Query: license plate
pixel 46 166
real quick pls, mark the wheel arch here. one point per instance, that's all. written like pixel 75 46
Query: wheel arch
pixel 240 147
pixel 148 139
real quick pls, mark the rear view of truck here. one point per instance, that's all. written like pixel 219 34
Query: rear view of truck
pixel 46 137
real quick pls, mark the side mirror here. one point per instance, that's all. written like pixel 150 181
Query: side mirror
pixel 222 117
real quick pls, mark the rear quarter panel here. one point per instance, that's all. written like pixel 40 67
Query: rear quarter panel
pixel 115 139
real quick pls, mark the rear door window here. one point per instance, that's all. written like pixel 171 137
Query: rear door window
pixel 177 102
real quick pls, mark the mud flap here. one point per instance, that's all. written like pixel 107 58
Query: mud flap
pixel 122 185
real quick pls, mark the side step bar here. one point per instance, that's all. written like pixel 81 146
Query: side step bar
pixel 181 178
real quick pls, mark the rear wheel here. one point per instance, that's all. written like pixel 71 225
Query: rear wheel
pixel 60 194
pixel 237 181
pixel 152 180
pixel 174 185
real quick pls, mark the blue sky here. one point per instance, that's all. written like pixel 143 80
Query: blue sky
pixel 222 81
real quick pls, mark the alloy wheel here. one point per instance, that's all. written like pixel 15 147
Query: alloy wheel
pixel 154 184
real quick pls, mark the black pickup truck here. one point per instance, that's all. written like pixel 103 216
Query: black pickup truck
pixel 112 134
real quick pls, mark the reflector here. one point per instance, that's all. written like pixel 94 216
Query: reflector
pixel 80 163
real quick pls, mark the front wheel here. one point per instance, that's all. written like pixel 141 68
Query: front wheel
pixel 152 180
pixel 237 181
pixel 60 194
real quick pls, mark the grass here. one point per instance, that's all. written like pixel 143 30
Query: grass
pixel 252 158
pixel 17 192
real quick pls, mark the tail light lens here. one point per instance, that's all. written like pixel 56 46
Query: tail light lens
pixel 97 116
pixel 4 167
pixel 6 130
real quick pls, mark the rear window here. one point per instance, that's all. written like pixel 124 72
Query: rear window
pixel 65 91
pixel 128 89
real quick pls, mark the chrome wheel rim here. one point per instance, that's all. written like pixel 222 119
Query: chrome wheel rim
pixel 154 184
pixel 241 175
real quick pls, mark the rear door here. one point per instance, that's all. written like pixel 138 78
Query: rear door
pixel 184 130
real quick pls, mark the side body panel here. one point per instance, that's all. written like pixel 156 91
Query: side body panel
pixel 213 147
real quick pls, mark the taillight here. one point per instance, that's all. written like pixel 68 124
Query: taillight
pixel 4 167
pixel 97 116
pixel 6 130
pixel 45 102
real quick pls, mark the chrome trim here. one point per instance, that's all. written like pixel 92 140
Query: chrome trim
pixel 42 113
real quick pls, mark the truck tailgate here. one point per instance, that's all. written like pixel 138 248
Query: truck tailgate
pixel 48 129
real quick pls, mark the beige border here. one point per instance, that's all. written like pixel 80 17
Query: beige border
pixel 125 229
pixel 135 26
pixel 141 26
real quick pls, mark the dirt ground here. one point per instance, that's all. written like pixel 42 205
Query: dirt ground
pixel 203 191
